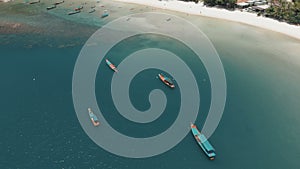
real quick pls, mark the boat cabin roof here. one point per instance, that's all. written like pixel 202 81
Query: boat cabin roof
pixel 205 143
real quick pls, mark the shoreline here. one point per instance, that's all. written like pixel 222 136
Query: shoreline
pixel 212 12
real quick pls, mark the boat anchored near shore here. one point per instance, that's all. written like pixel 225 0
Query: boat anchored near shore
pixel 78 8
pixel 59 2
pixel 92 10
pixel 203 142
pixel 74 12
pixel 51 7
pixel 34 2
pixel 93 118
pixel 112 66
pixel 105 14
pixel 166 80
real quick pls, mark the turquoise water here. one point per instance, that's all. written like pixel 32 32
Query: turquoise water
pixel 259 128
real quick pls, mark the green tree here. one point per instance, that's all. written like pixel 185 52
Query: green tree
pixel 210 2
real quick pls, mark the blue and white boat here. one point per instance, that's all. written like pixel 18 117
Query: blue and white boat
pixel 93 118
pixel 203 143
pixel 105 14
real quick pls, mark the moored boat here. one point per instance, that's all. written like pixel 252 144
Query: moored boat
pixel 78 8
pixel 51 7
pixel 93 118
pixel 105 13
pixel 112 66
pixel 59 2
pixel 92 10
pixel 203 143
pixel 166 80
pixel 34 2
pixel 73 12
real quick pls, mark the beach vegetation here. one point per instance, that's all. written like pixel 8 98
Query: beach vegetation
pixel 228 4
pixel 284 11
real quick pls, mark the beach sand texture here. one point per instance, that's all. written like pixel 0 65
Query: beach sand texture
pixel 236 16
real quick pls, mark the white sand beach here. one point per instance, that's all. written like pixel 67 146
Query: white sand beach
pixel 236 16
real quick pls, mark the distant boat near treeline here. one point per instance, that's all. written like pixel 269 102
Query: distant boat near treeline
pixel 59 2
pixel 34 2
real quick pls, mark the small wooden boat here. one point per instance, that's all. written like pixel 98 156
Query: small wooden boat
pixel 57 3
pixel 93 118
pixel 73 12
pixel 167 81
pixel 51 7
pixel 34 2
pixel 78 8
pixel 92 10
pixel 105 14
pixel 112 66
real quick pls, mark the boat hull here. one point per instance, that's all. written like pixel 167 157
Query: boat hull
pixel 203 143
pixel 163 79
pixel 73 12
pixel 34 2
pixel 51 7
pixel 91 11
pixel 93 118
pixel 112 66
pixel 57 3
pixel 105 14
pixel 79 8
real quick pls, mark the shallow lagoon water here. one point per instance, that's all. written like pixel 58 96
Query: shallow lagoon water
pixel 259 128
